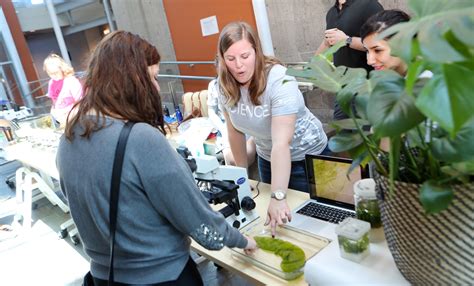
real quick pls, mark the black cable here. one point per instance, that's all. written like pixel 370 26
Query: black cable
pixel 258 190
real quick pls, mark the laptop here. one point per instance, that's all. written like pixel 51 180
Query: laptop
pixel 331 193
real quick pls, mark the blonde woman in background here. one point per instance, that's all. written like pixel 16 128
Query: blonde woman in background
pixel 64 88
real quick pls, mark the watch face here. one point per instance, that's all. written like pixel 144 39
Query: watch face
pixel 348 41
pixel 279 195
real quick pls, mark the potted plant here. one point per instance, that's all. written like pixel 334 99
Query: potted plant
pixel 425 177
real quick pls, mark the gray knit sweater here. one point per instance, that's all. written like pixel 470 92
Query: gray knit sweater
pixel 159 205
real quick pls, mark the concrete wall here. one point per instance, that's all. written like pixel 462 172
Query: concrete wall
pixel 147 18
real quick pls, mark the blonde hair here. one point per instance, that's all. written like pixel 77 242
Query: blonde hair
pixel 53 59
pixel 230 87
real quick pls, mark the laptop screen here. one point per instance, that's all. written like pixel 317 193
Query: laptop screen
pixel 328 181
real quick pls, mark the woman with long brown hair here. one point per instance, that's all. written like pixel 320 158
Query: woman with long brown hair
pixel 260 100
pixel 159 205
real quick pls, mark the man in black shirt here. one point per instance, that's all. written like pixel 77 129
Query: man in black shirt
pixel 343 22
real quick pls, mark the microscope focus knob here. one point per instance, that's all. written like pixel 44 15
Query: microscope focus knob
pixel 247 204
pixel 236 224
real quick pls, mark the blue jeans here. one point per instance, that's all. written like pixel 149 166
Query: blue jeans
pixel 297 175
pixel 298 180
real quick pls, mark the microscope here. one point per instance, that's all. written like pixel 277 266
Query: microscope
pixel 223 185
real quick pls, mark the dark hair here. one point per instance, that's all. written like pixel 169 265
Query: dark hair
pixel 118 84
pixel 230 88
pixel 381 21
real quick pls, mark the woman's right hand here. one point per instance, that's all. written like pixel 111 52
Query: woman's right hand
pixel 251 245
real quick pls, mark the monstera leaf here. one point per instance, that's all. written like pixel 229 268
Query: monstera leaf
pixel 345 141
pixel 447 98
pixel 390 110
pixel 349 124
pixel 432 20
pixel 457 149
pixel 435 197
pixel 322 72
pixel 355 84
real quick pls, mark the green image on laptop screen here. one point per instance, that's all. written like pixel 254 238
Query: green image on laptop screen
pixel 328 180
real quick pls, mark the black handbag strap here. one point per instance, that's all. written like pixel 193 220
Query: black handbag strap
pixel 115 190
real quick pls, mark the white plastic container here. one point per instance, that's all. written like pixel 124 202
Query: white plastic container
pixel 353 238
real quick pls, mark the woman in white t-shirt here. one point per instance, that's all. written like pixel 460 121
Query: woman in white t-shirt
pixel 260 100
pixel 217 118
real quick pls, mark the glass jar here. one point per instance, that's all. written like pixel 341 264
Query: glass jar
pixel 366 204
pixel 353 238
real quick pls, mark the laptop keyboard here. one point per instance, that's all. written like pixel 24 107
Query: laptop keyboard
pixel 329 214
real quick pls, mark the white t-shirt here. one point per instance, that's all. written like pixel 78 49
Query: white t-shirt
pixel 278 99
pixel 213 98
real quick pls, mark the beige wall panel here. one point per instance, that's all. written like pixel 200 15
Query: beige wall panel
pixel 296 27
pixel 146 18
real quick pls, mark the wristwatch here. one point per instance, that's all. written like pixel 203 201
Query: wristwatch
pixel 348 41
pixel 278 195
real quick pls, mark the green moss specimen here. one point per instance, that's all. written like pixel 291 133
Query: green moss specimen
pixel 352 246
pixel 368 210
pixel 293 257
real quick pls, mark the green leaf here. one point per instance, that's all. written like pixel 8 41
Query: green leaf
pixel 413 72
pixel 360 104
pixel 401 42
pixel 423 8
pixel 429 28
pixel 361 155
pixel 321 72
pixel 394 157
pixel 304 73
pixel 361 160
pixel 434 46
pixel 462 48
pixel 334 48
pixel 460 171
pixel 447 98
pixel 356 85
pixel 365 87
pixel 416 136
pixel 348 124
pixel 462 28
pixel 466 168
pixel 435 197
pixel 344 141
pixel 390 110
pixel 457 149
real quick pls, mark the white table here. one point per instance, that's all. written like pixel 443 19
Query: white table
pixel 39 167
pixel 328 267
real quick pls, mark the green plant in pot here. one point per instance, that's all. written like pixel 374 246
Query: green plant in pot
pixel 425 173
